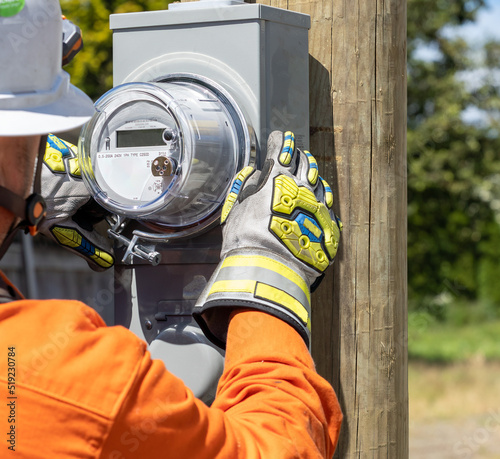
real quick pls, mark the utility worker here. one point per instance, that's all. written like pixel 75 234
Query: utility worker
pixel 72 387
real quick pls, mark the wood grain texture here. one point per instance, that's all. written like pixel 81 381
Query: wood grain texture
pixel 358 134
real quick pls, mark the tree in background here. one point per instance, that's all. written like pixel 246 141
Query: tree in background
pixel 92 70
pixel 453 157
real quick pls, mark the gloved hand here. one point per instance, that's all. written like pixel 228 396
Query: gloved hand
pixel 71 211
pixel 279 237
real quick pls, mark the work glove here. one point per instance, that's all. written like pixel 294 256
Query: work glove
pixel 71 211
pixel 279 236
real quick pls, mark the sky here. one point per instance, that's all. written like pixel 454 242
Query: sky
pixel 487 24
pixel 486 27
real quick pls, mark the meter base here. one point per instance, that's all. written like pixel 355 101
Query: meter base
pixel 156 303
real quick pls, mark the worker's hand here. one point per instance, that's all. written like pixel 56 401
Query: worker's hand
pixel 71 211
pixel 279 237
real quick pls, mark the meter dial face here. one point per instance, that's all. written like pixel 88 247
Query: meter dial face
pixel 163 152
pixel 138 162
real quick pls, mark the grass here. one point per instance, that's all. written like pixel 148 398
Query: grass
pixel 452 391
pixel 469 332
pixel 453 378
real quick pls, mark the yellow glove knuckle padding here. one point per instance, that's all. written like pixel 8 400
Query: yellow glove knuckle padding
pixel 56 152
pixel 312 175
pixel 238 182
pixel 303 236
pixel 73 239
pixel 288 149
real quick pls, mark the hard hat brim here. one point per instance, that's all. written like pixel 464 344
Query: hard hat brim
pixel 72 110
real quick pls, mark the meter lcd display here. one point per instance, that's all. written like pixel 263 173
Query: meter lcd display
pixel 140 138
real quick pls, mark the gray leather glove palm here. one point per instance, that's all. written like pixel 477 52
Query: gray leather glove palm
pixel 71 212
pixel 279 236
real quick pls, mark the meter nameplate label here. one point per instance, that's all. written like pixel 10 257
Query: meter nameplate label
pixel 129 175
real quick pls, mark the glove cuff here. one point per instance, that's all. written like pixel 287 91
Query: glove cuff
pixel 261 281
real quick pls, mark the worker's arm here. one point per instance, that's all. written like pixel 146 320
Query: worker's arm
pixel 270 403
pixel 279 236
pixel 281 402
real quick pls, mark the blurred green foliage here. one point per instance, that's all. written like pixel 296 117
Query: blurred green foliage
pixel 453 160
pixel 92 70
pixel 470 334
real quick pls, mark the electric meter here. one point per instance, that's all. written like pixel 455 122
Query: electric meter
pixel 165 152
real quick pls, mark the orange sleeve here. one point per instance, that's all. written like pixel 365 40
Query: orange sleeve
pixel 270 403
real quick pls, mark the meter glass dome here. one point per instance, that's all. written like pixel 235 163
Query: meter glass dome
pixel 163 152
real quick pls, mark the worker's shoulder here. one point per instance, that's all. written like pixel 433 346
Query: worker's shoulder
pixel 65 351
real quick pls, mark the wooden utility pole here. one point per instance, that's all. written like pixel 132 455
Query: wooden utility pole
pixel 358 134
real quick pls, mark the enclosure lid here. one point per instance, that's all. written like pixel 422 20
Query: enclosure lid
pixel 231 13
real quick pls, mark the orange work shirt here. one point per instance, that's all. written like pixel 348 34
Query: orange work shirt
pixel 85 390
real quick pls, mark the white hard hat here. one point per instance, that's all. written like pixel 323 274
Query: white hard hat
pixel 36 96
